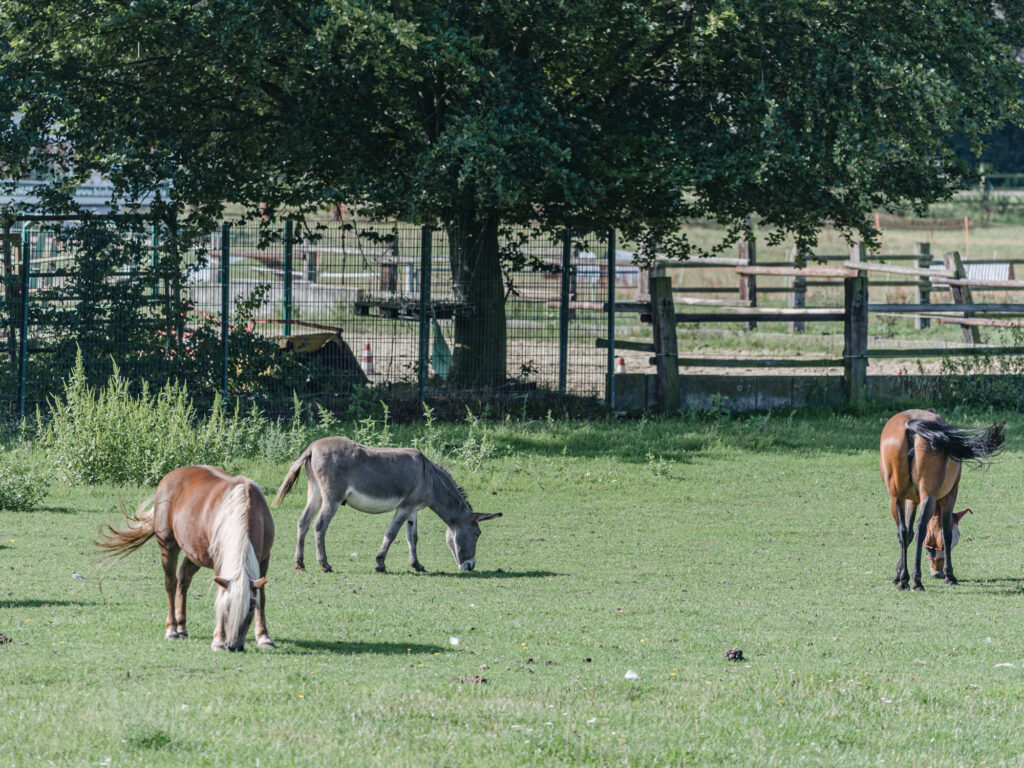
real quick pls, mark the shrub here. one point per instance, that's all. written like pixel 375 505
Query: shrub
pixel 22 483
pixel 111 435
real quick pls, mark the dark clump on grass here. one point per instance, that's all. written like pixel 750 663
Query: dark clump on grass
pixel 148 738
pixel 734 654
pixel 4 639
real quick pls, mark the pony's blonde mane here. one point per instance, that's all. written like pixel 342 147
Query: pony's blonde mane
pixel 234 558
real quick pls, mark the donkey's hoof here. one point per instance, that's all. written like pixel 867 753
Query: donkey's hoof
pixel 417 567
pixel 265 642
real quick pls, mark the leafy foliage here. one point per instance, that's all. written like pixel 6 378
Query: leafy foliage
pixel 23 484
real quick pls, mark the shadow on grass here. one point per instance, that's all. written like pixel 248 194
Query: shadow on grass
pixel 1008 585
pixel 356 648
pixel 495 574
pixel 45 603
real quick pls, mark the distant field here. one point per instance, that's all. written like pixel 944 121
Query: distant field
pixel 649 547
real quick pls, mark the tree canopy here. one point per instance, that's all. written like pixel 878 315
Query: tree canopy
pixel 471 113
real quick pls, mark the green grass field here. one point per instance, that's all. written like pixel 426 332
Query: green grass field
pixel 651 547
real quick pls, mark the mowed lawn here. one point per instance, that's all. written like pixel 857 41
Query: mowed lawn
pixel 646 547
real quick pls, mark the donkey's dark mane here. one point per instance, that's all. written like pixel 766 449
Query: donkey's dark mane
pixel 451 480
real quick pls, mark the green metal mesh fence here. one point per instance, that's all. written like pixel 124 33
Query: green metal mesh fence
pixel 317 308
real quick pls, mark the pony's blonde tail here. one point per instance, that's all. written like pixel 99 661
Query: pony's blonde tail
pixel 292 476
pixel 124 542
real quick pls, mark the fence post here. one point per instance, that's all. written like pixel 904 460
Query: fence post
pixel 748 283
pixel 962 295
pixel 923 292
pixel 797 297
pixel 154 255
pixel 426 245
pixel 225 306
pixel 666 351
pixel 26 263
pixel 289 253
pixel 10 291
pixel 609 387
pixel 855 338
pixel 563 311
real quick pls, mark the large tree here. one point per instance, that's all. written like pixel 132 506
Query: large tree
pixel 479 113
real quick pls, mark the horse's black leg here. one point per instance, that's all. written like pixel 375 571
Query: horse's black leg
pixel 927 509
pixel 947 536
pixel 904 535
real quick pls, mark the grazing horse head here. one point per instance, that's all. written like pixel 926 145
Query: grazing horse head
pixel 235 606
pixel 933 541
pixel 461 539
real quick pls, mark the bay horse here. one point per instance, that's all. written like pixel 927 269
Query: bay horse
pixel 340 471
pixel 219 522
pixel 920 459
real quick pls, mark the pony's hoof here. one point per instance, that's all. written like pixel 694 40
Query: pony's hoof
pixel 265 642
pixel 417 567
pixel 217 646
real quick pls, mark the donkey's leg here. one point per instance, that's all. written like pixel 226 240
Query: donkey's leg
pixel 312 505
pixel 327 510
pixel 945 508
pixel 412 536
pixel 169 558
pixel 927 509
pixel 401 515
pixel 904 535
pixel 185 573
pixel 262 635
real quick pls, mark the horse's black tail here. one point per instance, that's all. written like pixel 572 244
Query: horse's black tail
pixel 961 444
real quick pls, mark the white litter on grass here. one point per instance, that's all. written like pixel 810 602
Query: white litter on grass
pixel 355 554
pixel 1004 664
pixel 453 640
pixel 517 727
pixel 988 639
pixel 631 675
pixel 887 701
pixel 591 721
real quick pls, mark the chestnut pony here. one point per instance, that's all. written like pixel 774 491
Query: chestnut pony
pixel 920 460
pixel 219 522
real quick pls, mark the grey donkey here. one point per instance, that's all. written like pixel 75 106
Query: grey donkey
pixel 375 480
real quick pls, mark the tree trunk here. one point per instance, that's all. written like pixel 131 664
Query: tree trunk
pixel 478 357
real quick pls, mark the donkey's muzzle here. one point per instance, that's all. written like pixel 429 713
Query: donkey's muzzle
pixel 468 565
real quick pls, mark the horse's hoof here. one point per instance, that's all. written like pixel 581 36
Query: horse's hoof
pixel 327 568
pixel 380 569
pixel 182 632
pixel 936 574
pixel 265 642
pixel 417 567
pixel 171 635
pixel 217 646
pixel 901 585
pixel 300 566
pixel 918 587
pixel 951 580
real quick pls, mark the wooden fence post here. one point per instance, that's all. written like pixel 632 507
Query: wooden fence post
pixel 962 295
pixel 666 351
pixel 855 338
pixel 797 297
pixel 748 283
pixel 923 292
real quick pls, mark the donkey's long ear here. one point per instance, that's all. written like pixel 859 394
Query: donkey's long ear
pixel 221 582
pixel 258 584
pixel 479 517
